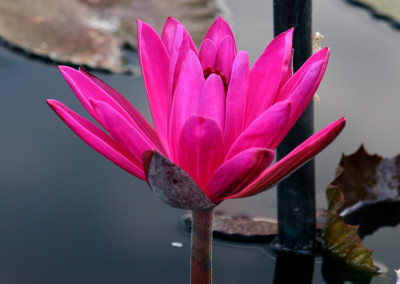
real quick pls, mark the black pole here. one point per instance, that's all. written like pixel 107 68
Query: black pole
pixel 296 194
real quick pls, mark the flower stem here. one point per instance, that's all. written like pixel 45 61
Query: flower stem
pixel 200 265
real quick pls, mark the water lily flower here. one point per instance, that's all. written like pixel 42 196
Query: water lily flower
pixel 217 121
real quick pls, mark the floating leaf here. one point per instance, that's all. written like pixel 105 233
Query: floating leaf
pixel 383 9
pixel 369 184
pixel 241 228
pixel 93 32
pixel 341 241
pixel 364 184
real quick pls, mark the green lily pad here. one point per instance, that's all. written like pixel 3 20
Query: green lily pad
pixel 341 241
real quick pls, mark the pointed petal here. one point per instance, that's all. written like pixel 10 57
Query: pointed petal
pixel 128 137
pixel 300 155
pixel 97 139
pixel 268 74
pixel 87 86
pixel 297 77
pixel 303 94
pixel 179 51
pixel 186 98
pixel 169 31
pixel 212 100
pixel 236 99
pixel 218 30
pixel 235 174
pixel 264 131
pixel 200 148
pixel 207 54
pixel 154 60
pixel 225 56
pixel 172 184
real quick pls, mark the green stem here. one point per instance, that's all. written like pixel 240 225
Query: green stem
pixel 200 265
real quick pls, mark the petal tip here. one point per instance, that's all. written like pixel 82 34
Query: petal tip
pixel 343 121
pixel 52 104
pixel 325 50
pixel 65 70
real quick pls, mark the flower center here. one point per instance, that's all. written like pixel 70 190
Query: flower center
pixel 208 71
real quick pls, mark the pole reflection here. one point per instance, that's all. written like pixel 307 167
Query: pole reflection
pixel 293 268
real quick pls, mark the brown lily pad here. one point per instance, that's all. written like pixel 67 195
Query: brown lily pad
pixel 93 32
pixel 364 184
pixel 240 228
pixel 368 182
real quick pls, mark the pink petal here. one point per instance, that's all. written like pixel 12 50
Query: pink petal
pixel 87 87
pixel 300 155
pixel 179 51
pixel 128 137
pixel 212 100
pixel 200 148
pixel 302 95
pixel 207 54
pixel 172 184
pixel 297 77
pixel 186 98
pixel 97 139
pixel 169 31
pixel 264 131
pixel 236 99
pixel 235 174
pixel 154 60
pixel 225 56
pixel 218 30
pixel 268 74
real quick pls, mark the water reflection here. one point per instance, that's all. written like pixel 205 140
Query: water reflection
pixel 334 272
pixel 293 268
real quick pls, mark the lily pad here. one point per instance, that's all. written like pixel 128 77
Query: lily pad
pixel 382 9
pixel 240 228
pixel 342 245
pixel 364 184
pixel 369 184
pixel 93 32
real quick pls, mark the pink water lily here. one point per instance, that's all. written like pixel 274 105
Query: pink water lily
pixel 217 121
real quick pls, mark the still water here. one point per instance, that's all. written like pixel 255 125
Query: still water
pixel 68 215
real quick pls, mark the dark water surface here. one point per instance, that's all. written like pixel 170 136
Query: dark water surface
pixel 68 215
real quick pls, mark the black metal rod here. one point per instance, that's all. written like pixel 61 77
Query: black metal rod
pixel 296 194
